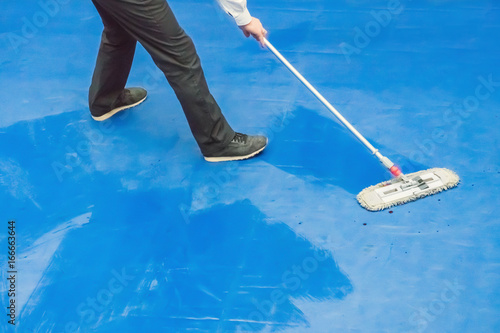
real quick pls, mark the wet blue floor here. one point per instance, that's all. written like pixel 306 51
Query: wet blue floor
pixel 123 227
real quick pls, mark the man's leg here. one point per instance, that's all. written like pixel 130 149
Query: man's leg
pixel 113 64
pixel 153 24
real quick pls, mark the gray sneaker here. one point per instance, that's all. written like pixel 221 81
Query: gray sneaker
pixel 128 98
pixel 241 147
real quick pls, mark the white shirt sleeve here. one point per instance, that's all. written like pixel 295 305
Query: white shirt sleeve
pixel 237 9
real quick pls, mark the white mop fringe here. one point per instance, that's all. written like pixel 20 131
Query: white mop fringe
pixel 452 181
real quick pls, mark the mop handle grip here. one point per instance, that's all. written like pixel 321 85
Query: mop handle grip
pixel 387 163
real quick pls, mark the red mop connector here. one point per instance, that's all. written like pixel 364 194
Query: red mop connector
pixel 395 171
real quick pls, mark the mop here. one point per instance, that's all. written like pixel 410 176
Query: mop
pixel 400 189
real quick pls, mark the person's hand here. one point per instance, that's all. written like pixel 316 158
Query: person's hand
pixel 255 29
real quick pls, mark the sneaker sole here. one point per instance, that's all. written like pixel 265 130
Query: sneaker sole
pixel 234 158
pixel 115 111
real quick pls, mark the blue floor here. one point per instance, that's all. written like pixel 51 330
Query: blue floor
pixel 123 227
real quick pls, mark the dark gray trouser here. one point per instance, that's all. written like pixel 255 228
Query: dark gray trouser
pixel 152 23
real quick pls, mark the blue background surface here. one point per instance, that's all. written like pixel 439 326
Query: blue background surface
pixel 123 227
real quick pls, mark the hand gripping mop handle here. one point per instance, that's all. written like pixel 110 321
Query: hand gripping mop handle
pixel 385 161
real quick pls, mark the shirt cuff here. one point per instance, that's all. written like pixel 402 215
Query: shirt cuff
pixel 244 18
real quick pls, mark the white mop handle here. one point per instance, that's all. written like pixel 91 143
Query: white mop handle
pixel 384 160
pixel 325 102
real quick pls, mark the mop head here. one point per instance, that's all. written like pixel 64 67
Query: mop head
pixel 398 191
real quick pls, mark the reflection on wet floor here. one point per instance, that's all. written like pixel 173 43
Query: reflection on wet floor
pixel 123 227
